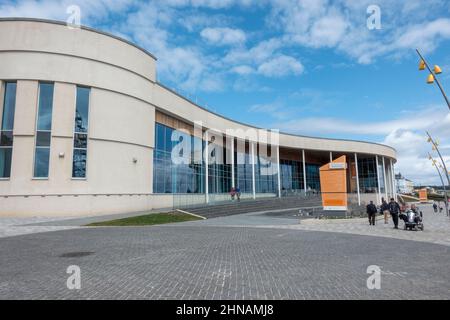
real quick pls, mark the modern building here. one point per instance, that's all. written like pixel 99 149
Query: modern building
pixel 403 185
pixel 87 129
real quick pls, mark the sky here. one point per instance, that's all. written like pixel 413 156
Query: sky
pixel 309 67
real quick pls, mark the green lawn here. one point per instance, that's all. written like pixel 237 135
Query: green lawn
pixel 146 220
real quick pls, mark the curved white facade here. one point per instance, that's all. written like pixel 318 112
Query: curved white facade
pixel 124 98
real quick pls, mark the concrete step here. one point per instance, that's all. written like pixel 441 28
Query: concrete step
pixel 247 206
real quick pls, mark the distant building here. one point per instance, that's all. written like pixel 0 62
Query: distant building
pixel 403 185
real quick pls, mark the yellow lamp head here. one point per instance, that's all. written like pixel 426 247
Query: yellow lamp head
pixel 430 79
pixel 422 65
pixel 437 69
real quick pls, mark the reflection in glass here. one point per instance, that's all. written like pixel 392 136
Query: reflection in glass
pixel 5 162
pixel 313 177
pixel 80 141
pixel 175 178
pixel 6 139
pixel 367 171
pixel 41 161
pixel 6 132
pixel 43 139
pixel 45 106
pixel 79 163
pixel 9 106
pixel 82 109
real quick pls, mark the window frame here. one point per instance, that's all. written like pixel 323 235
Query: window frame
pixel 37 130
pixel 3 102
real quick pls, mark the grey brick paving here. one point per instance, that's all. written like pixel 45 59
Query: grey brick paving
pixel 437 226
pixel 188 262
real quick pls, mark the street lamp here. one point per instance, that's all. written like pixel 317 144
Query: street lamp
pixel 432 76
pixel 435 148
pixel 433 163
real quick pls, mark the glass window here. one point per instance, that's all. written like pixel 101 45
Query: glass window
pixel 367 171
pixel 43 132
pixel 9 106
pixel 7 126
pixel 169 177
pixel 79 163
pixel 82 109
pixel 313 177
pixel 80 141
pixel 43 139
pixel 5 162
pixel 6 139
pixel 45 106
pixel 159 137
pixel 80 138
pixel 41 161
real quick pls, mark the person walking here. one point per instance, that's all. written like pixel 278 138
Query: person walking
pixel 232 193
pixel 371 212
pixel 385 210
pixel 435 207
pixel 394 209
pixel 238 194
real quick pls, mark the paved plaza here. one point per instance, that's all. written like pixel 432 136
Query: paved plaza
pixel 251 256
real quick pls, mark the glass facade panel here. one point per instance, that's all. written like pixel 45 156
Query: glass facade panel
pixel 43 132
pixel 79 163
pixel 243 172
pixel 182 176
pixel 6 139
pixel 9 106
pixel 41 160
pixel 80 137
pixel 266 178
pixel 45 106
pixel 82 110
pixel 7 126
pixel 5 162
pixel 291 175
pixel 80 141
pixel 367 171
pixel 43 139
pixel 312 177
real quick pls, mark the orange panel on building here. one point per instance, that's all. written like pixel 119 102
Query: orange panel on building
pixel 333 182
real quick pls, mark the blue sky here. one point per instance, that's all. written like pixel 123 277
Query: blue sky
pixel 309 67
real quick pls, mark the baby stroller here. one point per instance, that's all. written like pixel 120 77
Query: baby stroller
pixel 413 220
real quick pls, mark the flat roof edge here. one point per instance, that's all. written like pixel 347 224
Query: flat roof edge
pixel 255 127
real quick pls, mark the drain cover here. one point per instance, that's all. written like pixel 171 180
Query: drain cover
pixel 76 254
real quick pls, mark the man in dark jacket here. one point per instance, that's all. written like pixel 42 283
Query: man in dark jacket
pixel 394 209
pixel 384 210
pixel 371 212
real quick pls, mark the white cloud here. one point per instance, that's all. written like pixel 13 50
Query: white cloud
pixel 281 66
pixel 418 120
pixel 223 36
pixel 406 133
pixel 243 70
pixel 342 25
pixel 52 9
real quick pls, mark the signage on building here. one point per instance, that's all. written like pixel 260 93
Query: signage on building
pixel 338 165
pixel 333 182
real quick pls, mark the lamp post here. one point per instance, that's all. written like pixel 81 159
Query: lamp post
pixel 432 76
pixel 433 163
pixel 435 147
